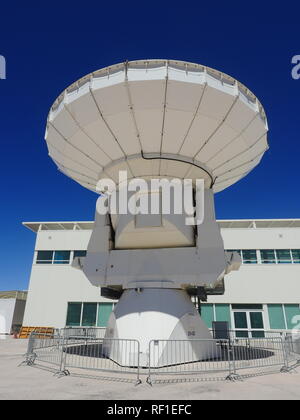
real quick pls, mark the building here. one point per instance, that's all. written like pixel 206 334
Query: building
pixel 263 295
pixel 12 307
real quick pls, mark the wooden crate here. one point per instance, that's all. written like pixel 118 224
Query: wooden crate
pixel 45 331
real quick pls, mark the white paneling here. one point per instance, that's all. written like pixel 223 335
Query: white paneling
pixel 99 132
pixel 150 125
pixel 112 100
pixel 219 139
pixel 175 128
pixel 200 130
pixel 184 97
pixel 123 127
pixel 243 157
pixel 65 124
pixel 85 144
pixel 215 104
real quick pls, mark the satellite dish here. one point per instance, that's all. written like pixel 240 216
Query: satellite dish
pixel 157 119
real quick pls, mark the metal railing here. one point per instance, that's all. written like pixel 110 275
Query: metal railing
pixel 82 332
pixel 188 357
pixel 88 349
pixel 44 347
pixel 82 349
pixel 103 354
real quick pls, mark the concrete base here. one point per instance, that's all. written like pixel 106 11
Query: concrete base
pixel 157 314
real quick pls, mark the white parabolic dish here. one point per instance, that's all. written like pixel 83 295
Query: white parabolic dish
pixel 157 118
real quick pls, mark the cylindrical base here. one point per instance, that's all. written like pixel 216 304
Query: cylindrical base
pixel 166 315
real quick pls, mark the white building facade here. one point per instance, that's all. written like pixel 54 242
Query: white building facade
pixel 263 295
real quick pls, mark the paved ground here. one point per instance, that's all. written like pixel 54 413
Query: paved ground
pixel 24 382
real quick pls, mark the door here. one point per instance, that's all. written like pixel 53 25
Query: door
pixel 249 324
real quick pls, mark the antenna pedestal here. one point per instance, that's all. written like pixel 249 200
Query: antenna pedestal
pixel 152 315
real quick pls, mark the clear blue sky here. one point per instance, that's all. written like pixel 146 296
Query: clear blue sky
pixel 48 45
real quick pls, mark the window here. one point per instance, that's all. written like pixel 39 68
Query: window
pixel 44 257
pixel 296 256
pixel 283 256
pixel 79 254
pixel 222 312
pixel 292 314
pixel 276 317
pixel 235 250
pixel 61 257
pixel 249 256
pixel 89 314
pixel 240 320
pixel 267 256
pixel 247 306
pixel 73 314
pixel 104 311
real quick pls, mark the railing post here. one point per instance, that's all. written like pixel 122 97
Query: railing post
pixel 62 366
pixel 285 366
pixel 148 380
pixel 138 381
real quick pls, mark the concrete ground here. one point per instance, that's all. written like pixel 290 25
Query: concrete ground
pixel 38 382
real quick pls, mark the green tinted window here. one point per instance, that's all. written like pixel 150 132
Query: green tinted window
pixel 207 314
pixel 267 256
pixel 292 314
pixel 242 334
pixel 234 250
pixel 249 256
pixel 104 311
pixel 73 315
pixel 256 320
pixel 246 306
pixel 240 320
pixel 283 256
pixel 257 334
pixel 296 255
pixel 223 313
pixel 276 317
pixel 61 257
pixel 89 314
pixel 79 254
pixel 44 257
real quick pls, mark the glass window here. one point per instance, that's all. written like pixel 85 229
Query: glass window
pixel 89 314
pixel 240 320
pixel 241 334
pixel 79 254
pixel 292 314
pixel 246 306
pixel 234 250
pixel 223 312
pixel 249 256
pixel 256 320
pixel 44 257
pixel 276 317
pixel 61 257
pixel 258 334
pixel 283 256
pixel 267 256
pixel 104 311
pixel 207 314
pixel 296 255
pixel 73 314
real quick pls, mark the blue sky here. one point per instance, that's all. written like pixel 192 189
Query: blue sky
pixel 47 46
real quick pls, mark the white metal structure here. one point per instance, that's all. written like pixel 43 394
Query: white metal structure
pixel 12 306
pixel 157 119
